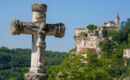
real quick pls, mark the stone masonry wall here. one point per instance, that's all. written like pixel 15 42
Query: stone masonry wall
pixel 91 41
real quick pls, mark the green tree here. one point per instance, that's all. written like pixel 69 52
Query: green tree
pixel 108 46
pixel 78 67
pixel 91 27
pixel 125 23
pixel 12 78
pixel 84 34
pixel 14 63
pixel 122 24
pixel 110 66
pixel 128 40
pixel 105 32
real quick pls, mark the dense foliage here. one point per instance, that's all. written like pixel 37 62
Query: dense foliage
pixel 84 34
pixel 91 27
pixel 113 50
pixel 14 62
pixel 105 32
pixel 79 67
pixel 125 23
pixel 108 67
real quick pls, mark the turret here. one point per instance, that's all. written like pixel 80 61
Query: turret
pixel 117 21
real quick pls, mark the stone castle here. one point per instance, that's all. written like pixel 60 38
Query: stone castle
pixel 92 40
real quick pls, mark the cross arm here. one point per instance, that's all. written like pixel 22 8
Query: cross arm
pixel 18 27
pixel 56 29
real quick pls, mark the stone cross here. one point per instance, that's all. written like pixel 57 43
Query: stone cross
pixel 39 30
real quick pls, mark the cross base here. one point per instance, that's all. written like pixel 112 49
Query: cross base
pixel 36 76
pixel 36 70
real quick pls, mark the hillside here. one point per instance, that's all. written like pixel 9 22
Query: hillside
pixel 14 61
pixel 109 66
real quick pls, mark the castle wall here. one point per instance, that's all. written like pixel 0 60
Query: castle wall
pixel 78 31
pixel 91 41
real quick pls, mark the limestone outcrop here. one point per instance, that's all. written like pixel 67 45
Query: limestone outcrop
pixel 91 41
pixel 85 39
pixel 126 55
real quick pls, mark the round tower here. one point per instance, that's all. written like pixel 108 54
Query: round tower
pixel 117 21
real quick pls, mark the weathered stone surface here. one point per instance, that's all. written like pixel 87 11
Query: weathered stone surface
pixel 38 39
pixel 91 41
pixel 39 12
pixel 126 55
pixel 18 27
pixel 39 30
pixel 36 76
pixel 39 7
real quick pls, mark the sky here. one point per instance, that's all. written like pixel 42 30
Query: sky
pixel 73 13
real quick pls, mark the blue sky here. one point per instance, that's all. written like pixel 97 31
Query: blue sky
pixel 73 13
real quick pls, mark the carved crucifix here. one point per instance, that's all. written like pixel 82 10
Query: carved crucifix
pixel 39 30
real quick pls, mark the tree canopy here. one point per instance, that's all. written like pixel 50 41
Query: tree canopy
pixel 84 34
pixel 91 27
pixel 108 67
pixel 14 63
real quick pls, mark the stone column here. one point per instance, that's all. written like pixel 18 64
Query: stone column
pixel 36 71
